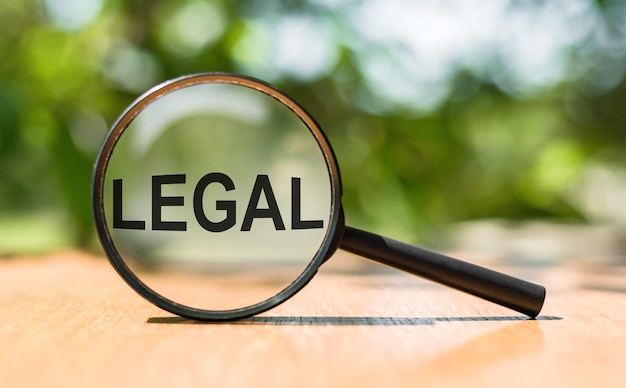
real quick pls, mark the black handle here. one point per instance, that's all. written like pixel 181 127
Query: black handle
pixel 496 287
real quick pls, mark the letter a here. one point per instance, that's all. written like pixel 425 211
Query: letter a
pixel 262 184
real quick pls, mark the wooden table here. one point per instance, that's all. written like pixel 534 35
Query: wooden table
pixel 69 320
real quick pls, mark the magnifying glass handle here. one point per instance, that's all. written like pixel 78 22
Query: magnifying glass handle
pixel 496 287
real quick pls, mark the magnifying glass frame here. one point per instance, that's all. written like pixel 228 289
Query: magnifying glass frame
pixel 328 245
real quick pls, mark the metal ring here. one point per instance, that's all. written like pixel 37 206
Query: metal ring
pixel 98 198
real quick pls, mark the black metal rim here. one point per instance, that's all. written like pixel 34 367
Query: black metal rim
pixel 101 223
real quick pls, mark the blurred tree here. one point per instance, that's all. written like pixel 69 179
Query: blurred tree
pixel 437 112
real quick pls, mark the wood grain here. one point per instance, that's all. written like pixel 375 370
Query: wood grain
pixel 69 320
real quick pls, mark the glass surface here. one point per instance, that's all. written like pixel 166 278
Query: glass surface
pixel 217 196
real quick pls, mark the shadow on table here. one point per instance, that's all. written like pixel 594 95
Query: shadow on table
pixel 349 321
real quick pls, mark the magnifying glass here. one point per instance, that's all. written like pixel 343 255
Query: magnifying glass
pixel 217 197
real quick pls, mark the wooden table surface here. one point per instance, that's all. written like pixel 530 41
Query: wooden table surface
pixel 68 319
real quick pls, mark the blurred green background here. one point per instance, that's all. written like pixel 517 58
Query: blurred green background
pixel 441 113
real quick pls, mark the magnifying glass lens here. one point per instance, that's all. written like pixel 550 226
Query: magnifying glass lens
pixel 215 195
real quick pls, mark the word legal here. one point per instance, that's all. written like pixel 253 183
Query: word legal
pixel 261 186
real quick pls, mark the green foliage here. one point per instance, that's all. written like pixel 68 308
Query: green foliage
pixel 475 144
